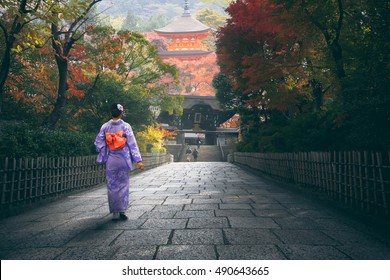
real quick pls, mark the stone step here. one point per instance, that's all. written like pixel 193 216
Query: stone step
pixel 207 153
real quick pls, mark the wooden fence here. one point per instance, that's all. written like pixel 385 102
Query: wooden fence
pixel 30 180
pixel 358 179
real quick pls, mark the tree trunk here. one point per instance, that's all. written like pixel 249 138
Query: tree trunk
pixel 62 49
pixel 9 38
pixel 332 36
pixel 87 97
pixel 5 65
pixel 337 54
pixel 59 107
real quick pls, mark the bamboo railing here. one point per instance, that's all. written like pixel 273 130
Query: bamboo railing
pixel 357 179
pixel 26 181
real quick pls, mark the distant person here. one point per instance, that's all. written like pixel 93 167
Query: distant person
pixel 189 153
pixel 195 154
pixel 118 150
pixel 198 142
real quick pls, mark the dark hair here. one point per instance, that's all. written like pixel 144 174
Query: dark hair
pixel 115 110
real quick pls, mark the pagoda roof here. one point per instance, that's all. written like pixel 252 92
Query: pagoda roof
pixel 184 53
pixel 184 24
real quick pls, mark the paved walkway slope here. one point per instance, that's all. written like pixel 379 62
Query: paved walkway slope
pixel 191 211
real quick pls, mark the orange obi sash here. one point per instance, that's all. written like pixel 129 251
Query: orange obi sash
pixel 115 141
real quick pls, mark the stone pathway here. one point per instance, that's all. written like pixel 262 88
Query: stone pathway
pixel 203 210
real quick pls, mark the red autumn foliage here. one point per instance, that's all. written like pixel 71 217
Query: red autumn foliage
pixel 256 51
pixel 34 83
pixel 196 76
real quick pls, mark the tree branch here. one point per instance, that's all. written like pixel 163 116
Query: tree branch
pixel 340 20
pixel 2 27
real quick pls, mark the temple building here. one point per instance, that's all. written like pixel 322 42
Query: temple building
pixel 185 35
pixel 203 118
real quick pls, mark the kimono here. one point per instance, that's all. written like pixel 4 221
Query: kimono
pixel 118 149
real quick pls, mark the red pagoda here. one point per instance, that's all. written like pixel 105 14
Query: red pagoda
pixel 185 35
pixel 202 115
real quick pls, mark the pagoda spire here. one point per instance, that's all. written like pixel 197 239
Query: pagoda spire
pixel 186 9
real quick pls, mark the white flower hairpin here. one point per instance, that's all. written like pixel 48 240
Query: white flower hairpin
pixel 120 107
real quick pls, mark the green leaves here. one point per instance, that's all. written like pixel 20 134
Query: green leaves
pixel 30 141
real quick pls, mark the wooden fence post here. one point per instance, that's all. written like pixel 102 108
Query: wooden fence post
pixel 4 182
pixel 381 182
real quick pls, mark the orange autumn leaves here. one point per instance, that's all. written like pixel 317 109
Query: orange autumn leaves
pixel 196 76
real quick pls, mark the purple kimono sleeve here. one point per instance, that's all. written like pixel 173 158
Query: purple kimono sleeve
pixel 132 144
pixel 101 146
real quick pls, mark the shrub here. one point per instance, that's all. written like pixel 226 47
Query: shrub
pixel 22 140
pixel 151 140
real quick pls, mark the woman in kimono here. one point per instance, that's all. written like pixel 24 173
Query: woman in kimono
pixel 118 149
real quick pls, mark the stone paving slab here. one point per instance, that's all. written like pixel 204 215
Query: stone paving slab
pixel 252 222
pixel 186 252
pixel 198 237
pixel 250 252
pixel 143 237
pixel 245 236
pixel 34 254
pixel 87 253
pixel 202 210
pixel 309 252
pixel 134 253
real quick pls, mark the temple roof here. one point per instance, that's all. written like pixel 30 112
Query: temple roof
pixel 183 53
pixel 184 24
pixel 192 100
